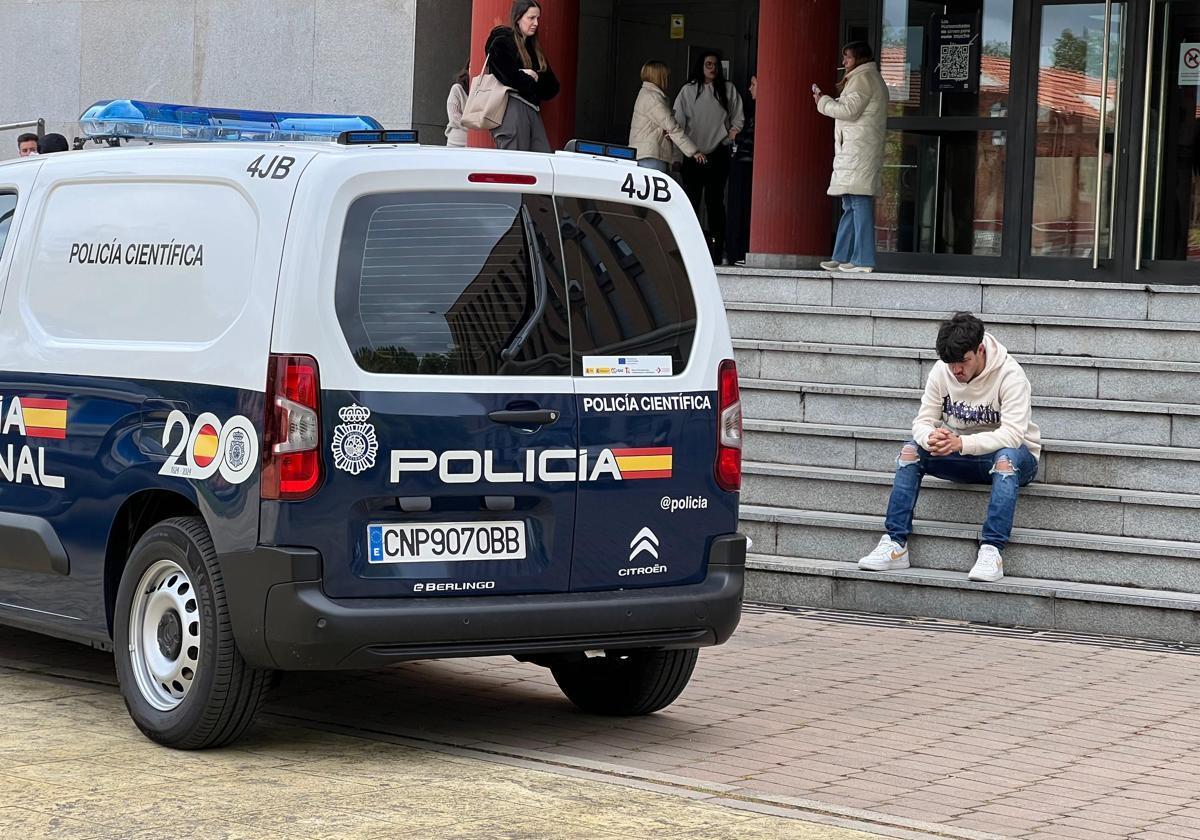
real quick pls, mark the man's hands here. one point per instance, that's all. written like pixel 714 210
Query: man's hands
pixel 942 441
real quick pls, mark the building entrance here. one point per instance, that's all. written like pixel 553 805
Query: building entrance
pixel 1074 152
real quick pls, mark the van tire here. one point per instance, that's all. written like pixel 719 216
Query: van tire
pixel 224 693
pixel 626 683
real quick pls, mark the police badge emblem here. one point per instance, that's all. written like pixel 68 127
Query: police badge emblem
pixel 354 444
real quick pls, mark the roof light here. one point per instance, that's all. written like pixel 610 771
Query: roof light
pixel 134 120
pixel 362 138
pixel 592 147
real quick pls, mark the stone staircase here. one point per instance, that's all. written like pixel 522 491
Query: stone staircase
pixel 1107 540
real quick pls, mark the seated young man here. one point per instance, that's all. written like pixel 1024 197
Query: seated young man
pixel 974 427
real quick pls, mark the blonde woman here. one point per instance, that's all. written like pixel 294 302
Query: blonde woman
pixel 516 59
pixel 653 129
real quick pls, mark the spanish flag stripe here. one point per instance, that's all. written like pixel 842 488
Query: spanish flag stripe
pixel 659 450
pixel 643 462
pixel 206 446
pixel 645 474
pixel 30 402
pixel 36 431
pixel 44 418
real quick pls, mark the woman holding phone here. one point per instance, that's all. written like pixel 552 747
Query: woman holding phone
pixel 860 128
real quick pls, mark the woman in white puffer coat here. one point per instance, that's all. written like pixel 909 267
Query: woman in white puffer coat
pixel 653 130
pixel 860 128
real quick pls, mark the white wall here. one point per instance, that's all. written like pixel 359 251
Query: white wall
pixel 339 56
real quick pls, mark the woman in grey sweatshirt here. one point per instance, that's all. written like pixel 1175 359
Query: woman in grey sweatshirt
pixel 709 111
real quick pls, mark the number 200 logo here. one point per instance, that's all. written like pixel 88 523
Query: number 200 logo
pixel 209 446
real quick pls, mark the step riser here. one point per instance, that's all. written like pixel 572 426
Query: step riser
pixel 1083 470
pixel 968 506
pixel 997 608
pixel 958 554
pixel 1045 380
pixel 1100 340
pixel 886 411
pixel 943 297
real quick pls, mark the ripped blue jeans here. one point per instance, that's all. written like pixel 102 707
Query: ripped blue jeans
pixel 1021 469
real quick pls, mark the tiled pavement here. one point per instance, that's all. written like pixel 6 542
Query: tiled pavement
pixel 932 726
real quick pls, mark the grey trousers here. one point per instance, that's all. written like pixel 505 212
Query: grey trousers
pixel 522 129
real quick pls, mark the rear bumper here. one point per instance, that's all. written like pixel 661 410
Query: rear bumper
pixel 282 619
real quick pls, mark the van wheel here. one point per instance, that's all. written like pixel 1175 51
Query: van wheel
pixel 185 683
pixel 632 682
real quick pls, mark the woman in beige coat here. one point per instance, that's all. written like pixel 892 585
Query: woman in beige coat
pixel 653 129
pixel 860 128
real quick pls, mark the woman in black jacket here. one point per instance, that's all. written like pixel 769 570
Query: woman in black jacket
pixel 516 59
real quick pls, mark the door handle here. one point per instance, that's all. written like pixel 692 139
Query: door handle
pixel 1097 215
pixel 525 417
pixel 1141 209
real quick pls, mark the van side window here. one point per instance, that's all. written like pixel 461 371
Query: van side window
pixel 629 289
pixel 8 208
pixel 453 284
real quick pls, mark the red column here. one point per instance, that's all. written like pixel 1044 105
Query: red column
pixel 793 144
pixel 559 36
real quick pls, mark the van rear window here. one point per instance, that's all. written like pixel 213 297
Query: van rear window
pixel 453 284
pixel 630 289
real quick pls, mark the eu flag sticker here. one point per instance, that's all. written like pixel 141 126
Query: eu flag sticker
pixel 375 543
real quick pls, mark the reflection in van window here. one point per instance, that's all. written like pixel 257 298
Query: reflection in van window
pixel 629 289
pixel 8 208
pixel 448 283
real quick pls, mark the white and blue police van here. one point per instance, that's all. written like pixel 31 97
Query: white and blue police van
pixel 326 405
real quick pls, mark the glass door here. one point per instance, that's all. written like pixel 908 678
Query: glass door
pixel 1079 124
pixel 1166 180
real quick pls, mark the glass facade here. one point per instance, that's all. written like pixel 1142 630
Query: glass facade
pixel 1073 151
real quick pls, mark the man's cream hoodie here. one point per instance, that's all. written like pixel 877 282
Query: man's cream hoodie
pixel 990 412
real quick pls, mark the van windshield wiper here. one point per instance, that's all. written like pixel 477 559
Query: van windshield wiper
pixel 539 289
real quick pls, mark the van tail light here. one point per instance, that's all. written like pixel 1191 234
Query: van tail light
pixel 729 428
pixel 291 468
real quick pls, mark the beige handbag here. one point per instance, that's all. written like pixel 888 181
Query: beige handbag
pixel 486 103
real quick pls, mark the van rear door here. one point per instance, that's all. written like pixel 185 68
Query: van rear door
pixel 446 402
pixel 648 337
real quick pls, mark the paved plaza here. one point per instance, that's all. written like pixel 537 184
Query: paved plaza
pixel 807 725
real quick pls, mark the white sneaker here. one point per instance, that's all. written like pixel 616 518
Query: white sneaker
pixel 831 265
pixel 851 268
pixel 888 555
pixel 989 565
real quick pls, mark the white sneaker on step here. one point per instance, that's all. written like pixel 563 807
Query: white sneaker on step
pixel 831 265
pixel 989 565
pixel 851 268
pixel 888 555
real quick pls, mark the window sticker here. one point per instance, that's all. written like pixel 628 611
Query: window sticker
pixel 627 366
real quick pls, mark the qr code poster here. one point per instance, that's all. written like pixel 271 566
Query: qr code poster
pixel 955 53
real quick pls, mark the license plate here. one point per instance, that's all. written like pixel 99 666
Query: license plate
pixel 443 541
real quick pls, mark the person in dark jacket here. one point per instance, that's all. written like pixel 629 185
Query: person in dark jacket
pixel 516 59
pixel 741 178
pixel 51 143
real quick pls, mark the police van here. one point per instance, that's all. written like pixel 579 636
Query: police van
pixel 297 405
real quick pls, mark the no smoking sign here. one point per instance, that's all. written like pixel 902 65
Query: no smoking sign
pixel 1189 64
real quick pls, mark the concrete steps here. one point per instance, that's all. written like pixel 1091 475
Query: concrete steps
pixel 985 296
pixel 1105 540
pixel 902 367
pixel 1070 418
pixel 1013 601
pixel 1080 464
pixel 1040 334
pixel 1051 554
pixel 1042 506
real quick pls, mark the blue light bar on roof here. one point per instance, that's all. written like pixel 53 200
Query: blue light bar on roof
pixel 131 119
pixel 592 147
pixel 392 135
